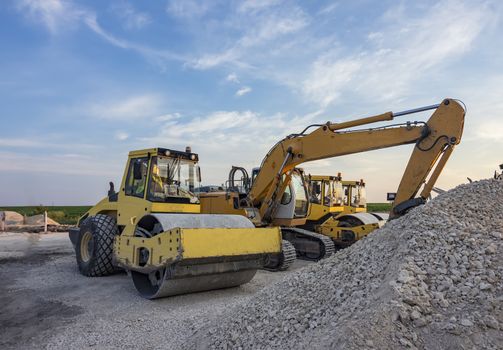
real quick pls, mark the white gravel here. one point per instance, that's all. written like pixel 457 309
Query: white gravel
pixel 429 280
pixel 46 304
pixel 432 279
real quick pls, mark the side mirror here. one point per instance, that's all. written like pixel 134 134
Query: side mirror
pixel 137 175
pixel 198 174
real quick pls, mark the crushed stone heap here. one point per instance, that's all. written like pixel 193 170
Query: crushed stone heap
pixel 432 279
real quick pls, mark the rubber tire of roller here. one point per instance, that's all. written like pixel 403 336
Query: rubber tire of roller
pixel 347 224
pixel 103 229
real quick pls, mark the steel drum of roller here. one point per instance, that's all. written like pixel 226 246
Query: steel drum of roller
pixel 357 219
pixel 188 276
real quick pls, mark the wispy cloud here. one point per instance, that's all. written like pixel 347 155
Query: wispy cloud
pixel 156 56
pixel 243 91
pixel 328 78
pixel 188 9
pixel 167 117
pixel 403 51
pixel 131 108
pixel 256 5
pixel 132 18
pixel 233 78
pixel 19 142
pixel 121 135
pixel 56 15
pixel 54 141
pixel 60 15
pixel 59 163
pixel 257 30
pixel 248 134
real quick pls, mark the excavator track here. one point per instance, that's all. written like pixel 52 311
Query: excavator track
pixel 308 245
pixel 284 260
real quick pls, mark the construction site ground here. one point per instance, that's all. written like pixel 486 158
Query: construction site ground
pixel 46 303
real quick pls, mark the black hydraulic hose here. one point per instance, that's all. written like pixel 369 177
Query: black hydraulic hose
pixel 246 178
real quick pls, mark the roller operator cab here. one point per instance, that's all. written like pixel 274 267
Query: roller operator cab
pixel 152 227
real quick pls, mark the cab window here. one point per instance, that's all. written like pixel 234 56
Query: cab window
pixel 137 177
pixel 315 195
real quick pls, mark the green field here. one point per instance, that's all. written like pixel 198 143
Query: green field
pixel 379 207
pixel 69 215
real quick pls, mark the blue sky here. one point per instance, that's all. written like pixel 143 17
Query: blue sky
pixel 84 82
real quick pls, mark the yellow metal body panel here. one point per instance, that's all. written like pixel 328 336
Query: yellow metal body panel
pixel 220 203
pixel 210 242
pixel 332 229
pixel 163 249
pixel 174 208
pixel 195 243
pixel 103 206
pixel 317 211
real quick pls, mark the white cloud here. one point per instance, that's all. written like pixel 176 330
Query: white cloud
pixel 60 15
pixel 233 78
pixel 54 14
pixel 131 108
pixel 329 8
pixel 52 141
pixel 133 19
pixel 256 5
pixel 167 117
pixel 156 56
pixel 243 91
pixel 187 9
pixel 257 30
pixel 121 135
pixel 19 142
pixel 490 130
pixel 58 163
pixel 327 79
pixel 225 138
pixel 404 51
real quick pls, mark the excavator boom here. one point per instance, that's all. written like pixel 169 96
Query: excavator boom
pixel 434 142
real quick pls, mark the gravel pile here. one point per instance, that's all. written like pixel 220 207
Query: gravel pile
pixel 432 279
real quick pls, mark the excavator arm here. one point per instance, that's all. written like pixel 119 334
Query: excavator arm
pixel 434 142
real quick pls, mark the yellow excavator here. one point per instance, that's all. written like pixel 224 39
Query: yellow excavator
pixel 338 209
pixel 278 194
pixel 152 227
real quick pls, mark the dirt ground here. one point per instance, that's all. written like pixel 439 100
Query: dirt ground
pixel 46 303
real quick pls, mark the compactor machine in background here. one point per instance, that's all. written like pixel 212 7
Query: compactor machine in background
pixel 278 195
pixel 152 227
pixel 338 208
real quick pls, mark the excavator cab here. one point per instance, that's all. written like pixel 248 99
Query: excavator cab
pixel 295 200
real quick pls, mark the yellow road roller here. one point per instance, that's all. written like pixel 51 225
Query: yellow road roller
pixel 152 227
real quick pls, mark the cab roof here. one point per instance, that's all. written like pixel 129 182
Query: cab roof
pixel 166 152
